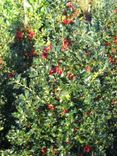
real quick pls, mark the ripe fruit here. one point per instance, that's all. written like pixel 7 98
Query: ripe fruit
pixel 70 6
pixel 11 75
pixel 58 70
pixel 71 76
pixel 44 55
pixel 67 21
pixel 31 35
pixel 66 44
pixel 88 69
pixel 87 148
pixel 34 53
pixel 115 11
pixel 107 44
pixel 51 107
pixel 44 150
pixel 48 48
pixel 65 111
pixel 19 35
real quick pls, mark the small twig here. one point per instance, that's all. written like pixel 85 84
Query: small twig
pixel 20 84
pixel 32 91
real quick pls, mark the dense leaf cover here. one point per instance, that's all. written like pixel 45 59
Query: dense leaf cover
pixel 58 79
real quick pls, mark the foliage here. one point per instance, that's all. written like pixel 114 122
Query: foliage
pixel 58 82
